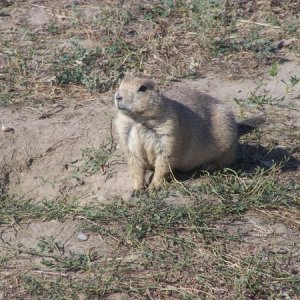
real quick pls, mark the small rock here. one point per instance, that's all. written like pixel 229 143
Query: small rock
pixel 118 296
pixel 6 129
pixel 286 43
pixel 280 250
pixel 82 237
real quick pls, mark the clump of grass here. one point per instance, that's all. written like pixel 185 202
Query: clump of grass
pixel 75 66
pixel 260 97
pixel 5 99
pixel 95 160
pixel 52 28
pixel 97 69
pixel 293 81
pixel 73 263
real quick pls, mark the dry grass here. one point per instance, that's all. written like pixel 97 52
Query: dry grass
pixel 95 46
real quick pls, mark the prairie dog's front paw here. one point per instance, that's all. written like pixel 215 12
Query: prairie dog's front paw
pixel 155 185
pixel 157 182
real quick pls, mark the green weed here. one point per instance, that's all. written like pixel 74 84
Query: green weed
pixel 274 70
pixel 53 29
pixel 5 99
pixel 259 97
pixel 293 80
pixel 76 65
pixel 95 160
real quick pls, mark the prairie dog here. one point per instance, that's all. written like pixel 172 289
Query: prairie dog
pixel 181 129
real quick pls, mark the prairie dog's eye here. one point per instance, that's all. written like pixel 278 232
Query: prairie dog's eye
pixel 142 89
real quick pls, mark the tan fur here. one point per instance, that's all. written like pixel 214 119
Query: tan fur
pixel 181 129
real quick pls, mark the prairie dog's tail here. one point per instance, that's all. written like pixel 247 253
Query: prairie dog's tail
pixel 250 124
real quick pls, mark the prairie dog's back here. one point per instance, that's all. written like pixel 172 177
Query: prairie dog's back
pixel 207 127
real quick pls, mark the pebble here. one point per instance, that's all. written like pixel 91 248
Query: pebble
pixel 82 237
pixel 6 129
pixel 280 250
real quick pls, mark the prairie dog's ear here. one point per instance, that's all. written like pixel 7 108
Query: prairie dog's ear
pixel 155 86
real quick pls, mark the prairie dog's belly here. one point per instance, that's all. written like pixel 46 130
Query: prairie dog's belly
pixel 143 144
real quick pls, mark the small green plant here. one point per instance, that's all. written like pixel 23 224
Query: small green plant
pixel 3 260
pixel 49 245
pixel 259 97
pixel 72 263
pixel 274 70
pixel 153 11
pixel 293 80
pixel 52 28
pixel 5 99
pixel 75 66
pixel 95 159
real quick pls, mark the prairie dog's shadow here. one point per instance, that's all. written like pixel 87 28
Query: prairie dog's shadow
pixel 250 157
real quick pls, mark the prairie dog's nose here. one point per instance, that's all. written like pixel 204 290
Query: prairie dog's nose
pixel 118 97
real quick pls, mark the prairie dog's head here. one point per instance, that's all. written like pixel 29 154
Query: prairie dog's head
pixel 138 98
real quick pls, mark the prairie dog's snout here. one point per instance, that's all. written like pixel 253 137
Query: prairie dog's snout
pixel 120 103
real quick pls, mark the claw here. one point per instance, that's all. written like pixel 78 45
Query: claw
pixel 153 190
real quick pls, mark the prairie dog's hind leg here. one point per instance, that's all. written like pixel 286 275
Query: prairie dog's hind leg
pixel 227 158
pixel 224 160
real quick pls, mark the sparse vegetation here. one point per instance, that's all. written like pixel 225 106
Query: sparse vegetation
pixel 230 234
pixel 261 97
pixel 182 242
pixel 95 159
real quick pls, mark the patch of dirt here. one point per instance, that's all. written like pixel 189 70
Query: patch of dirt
pixel 63 234
pixel 262 232
pixel 48 239
pixel 47 142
